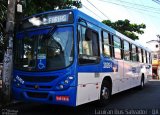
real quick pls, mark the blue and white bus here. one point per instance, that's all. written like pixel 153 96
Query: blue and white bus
pixel 68 58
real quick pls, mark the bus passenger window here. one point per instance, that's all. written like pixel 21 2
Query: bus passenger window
pixel 145 56
pixel 140 55
pixel 150 58
pixel 117 47
pixel 105 44
pixel 134 53
pixel 95 45
pixel 88 45
pixel 126 51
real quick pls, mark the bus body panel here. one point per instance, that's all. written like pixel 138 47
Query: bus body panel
pixel 67 97
pixel 88 88
pixel 40 87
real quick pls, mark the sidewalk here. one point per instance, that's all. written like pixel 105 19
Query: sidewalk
pixel 154 80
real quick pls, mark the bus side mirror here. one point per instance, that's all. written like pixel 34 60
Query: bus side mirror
pixel 88 34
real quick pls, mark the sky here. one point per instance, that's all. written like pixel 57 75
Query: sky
pixel 137 11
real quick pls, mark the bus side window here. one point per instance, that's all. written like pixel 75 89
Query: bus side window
pixel 134 53
pixel 117 47
pixel 139 55
pixel 126 51
pixel 95 44
pixel 142 54
pixel 145 53
pixel 106 44
pixel 88 45
pixel 150 58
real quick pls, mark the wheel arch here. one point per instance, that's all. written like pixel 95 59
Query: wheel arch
pixel 108 80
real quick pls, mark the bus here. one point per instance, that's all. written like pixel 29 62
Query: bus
pixel 66 57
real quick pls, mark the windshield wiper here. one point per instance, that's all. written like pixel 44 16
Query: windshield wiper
pixel 52 30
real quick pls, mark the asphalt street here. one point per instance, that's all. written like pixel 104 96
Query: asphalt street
pixel 130 102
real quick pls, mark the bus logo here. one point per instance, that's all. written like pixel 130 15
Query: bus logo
pixel 107 65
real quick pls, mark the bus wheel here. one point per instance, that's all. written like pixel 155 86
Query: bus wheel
pixel 142 83
pixel 105 93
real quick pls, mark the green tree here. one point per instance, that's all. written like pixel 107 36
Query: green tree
pixel 37 6
pixel 3 10
pixel 126 28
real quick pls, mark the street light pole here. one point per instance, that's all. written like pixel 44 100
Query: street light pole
pixel 8 56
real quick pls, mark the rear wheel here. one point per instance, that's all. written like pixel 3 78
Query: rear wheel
pixel 142 83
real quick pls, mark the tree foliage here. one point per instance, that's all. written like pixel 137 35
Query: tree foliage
pixel 3 10
pixel 126 28
pixel 37 6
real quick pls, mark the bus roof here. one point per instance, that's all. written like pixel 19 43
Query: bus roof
pixel 78 13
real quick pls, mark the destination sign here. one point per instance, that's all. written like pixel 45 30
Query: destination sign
pixel 48 19
pixel 55 19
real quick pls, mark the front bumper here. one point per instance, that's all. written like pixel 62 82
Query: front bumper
pixel 65 97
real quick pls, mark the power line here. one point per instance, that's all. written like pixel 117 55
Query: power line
pixel 134 4
pixel 146 13
pixel 92 12
pixel 157 1
pixel 97 9
pixel 130 7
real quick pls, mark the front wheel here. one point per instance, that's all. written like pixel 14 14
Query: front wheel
pixel 105 93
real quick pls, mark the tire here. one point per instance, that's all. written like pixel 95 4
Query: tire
pixel 141 86
pixel 105 93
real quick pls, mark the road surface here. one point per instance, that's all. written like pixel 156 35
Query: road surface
pixel 130 102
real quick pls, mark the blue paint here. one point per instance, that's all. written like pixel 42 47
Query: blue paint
pixel 31 33
pixel 20 93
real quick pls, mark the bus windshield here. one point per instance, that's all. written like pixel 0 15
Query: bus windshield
pixel 44 52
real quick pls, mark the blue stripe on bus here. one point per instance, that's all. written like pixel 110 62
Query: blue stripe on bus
pixel 30 34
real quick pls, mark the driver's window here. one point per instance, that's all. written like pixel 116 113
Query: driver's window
pixel 88 45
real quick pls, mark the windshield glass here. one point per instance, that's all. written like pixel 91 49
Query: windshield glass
pixel 42 52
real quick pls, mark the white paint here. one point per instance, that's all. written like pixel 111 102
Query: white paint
pixel 124 79
pixel 86 90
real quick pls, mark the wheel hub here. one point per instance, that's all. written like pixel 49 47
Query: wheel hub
pixel 105 93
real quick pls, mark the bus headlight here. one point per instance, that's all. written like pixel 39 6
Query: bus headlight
pixel 65 83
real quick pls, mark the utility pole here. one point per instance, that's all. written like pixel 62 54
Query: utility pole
pixel 8 56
